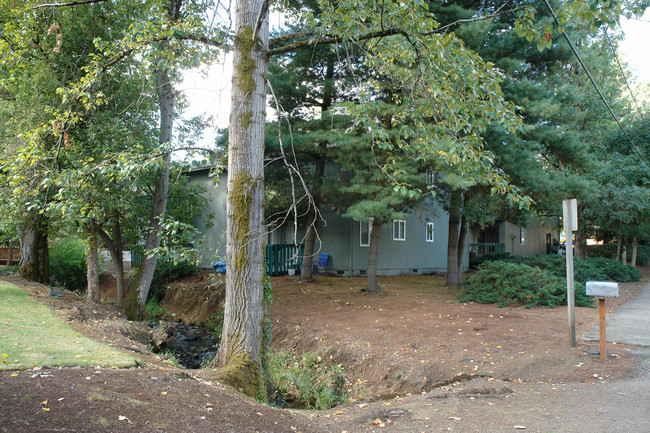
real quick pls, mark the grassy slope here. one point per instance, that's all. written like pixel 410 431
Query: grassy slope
pixel 32 336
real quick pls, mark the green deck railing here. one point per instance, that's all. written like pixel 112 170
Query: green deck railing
pixel 278 257
pixel 478 250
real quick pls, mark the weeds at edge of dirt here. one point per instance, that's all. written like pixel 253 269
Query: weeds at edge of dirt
pixel 308 379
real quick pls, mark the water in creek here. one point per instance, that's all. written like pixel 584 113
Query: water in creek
pixel 193 346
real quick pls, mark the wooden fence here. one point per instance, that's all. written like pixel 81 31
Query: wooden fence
pixel 9 256
pixel 279 257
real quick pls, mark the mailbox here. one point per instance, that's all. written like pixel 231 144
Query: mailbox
pixel 602 289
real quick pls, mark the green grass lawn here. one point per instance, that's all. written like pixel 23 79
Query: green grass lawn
pixel 32 336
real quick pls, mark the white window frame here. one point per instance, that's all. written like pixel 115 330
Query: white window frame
pixel 429 234
pixel 361 230
pixel 397 231
pixel 522 236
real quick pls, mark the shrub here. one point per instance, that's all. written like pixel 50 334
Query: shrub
pixel 166 272
pixel 490 257
pixel 68 264
pixel 508 283
pixel 589 269
pixel 153 309
pixel 306 380
pixel 615 270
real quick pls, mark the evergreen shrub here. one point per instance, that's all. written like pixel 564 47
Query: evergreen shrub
pixel 68 264
pixel 589 269
pixel 508 283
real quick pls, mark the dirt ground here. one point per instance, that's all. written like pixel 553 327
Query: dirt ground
pixel 415 361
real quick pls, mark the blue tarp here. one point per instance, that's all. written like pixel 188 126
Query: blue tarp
pixel 219 267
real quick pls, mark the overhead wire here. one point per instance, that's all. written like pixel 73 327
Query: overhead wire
pixel 611 46
pixel 593 82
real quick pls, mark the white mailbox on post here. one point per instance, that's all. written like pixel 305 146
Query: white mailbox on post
pixel 602 290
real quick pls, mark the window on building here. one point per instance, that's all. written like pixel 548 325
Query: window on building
pixel 429 232
pixel 522 236
pixel 399 230
pixel 365 228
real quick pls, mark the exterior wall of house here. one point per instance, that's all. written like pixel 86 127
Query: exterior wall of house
pixel 340 238
pixel 341 241
pixel 215 233
pixel 534 239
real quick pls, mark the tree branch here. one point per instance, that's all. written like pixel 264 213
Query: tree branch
pixel 73 3
pixel 334 40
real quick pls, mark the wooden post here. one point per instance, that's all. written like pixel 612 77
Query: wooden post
pixel 601 326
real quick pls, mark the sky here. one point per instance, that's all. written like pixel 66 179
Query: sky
pixel 635 47
pixel 208 89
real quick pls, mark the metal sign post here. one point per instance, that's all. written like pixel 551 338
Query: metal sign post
pixel 570 215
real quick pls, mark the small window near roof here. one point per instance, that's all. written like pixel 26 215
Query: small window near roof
pixel 522 237
pixel 399 230
pixel 429 232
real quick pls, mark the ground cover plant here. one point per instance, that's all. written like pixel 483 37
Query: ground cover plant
pixel 32 336
pixel 507 283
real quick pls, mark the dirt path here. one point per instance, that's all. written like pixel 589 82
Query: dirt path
pixel 404 345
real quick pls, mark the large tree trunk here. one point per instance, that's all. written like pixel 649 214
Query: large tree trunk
pixel 92 268
pixel 239 354
pixel 635 246
pixel 373 252
pixel 581 243
pixel 462 242
pixel 624 251
pixel 310 237
pixel 453 274
pixel 317 190
pixel 308 252
pixel 134 305
pixel 115 247
pixel 34 252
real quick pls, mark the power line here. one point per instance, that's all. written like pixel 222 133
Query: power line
pixel 584 67
pixel 611 46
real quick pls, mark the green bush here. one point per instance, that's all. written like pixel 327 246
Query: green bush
pixel 589 269
pixel 306 379
pixel 68 263
pixel 508 283
pixel 614 270
pixel 166 272
pixel 153 310
pixel 490 257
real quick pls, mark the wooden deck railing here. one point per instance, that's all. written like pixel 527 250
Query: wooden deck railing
pixel 478 250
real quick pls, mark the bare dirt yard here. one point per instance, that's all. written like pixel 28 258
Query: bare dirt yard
pixel 415 361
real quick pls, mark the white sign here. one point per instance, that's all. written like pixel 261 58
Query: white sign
pixel 570 215
pixel 602 289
